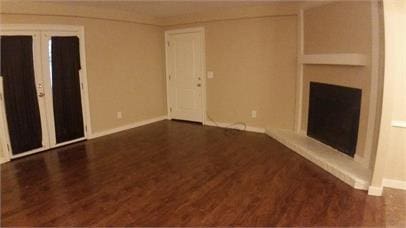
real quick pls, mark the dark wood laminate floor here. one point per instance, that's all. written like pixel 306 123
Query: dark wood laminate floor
pixel 180 174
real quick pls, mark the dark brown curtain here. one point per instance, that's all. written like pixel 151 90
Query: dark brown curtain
pixel 20 95
pixel 66 88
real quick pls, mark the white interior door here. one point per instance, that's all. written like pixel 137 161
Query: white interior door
pixel 184 51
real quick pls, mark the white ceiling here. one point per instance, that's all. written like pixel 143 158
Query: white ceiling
pixel 166 8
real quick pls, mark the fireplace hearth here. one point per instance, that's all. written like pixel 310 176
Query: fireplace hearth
pixel 334 113
pixel 331 138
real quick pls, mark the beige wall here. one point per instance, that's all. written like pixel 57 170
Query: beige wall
pixel 396 155
pixel 343 27
pixel 124 65
pixel 391 155
pixel 254 65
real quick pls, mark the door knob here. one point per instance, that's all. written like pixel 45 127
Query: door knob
pixel 199 85
pixel 41 94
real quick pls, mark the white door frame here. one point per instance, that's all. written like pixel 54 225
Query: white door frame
pixel 4 136
pixel 54 30
pixel 201 31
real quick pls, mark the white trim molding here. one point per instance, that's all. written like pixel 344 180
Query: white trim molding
pixel 127 127
pixel 37 8
pixel 5 154
pixel 237 126
pixel 397 184
pixel 387 183
pixel 375 92
pixel 299 77
pixel 375 191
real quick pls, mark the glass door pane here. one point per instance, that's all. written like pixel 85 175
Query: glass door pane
pixel 66 89
pixel 23 94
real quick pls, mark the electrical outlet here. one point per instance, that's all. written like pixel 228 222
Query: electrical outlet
pixel 119 115
pixel 210 74
pixel 254 114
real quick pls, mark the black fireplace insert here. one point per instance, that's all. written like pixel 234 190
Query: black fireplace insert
pixel 334 113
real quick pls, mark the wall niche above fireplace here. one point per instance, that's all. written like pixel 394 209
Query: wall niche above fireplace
pixel 334 114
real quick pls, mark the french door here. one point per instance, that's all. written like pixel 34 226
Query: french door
pixel 43 96
pixel 25 105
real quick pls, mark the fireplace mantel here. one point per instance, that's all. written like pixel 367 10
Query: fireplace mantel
pixel 348 59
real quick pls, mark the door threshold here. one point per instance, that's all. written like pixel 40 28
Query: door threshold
pixel 187 121
pixel 26 154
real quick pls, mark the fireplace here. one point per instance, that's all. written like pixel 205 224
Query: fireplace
pixel 334 113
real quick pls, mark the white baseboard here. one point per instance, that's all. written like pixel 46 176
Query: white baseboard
pixel 387 183
pixel 126 127
pixel 236 126
pixel 390 183
pixel 375 191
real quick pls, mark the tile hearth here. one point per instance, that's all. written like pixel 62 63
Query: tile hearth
pixel 342 166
